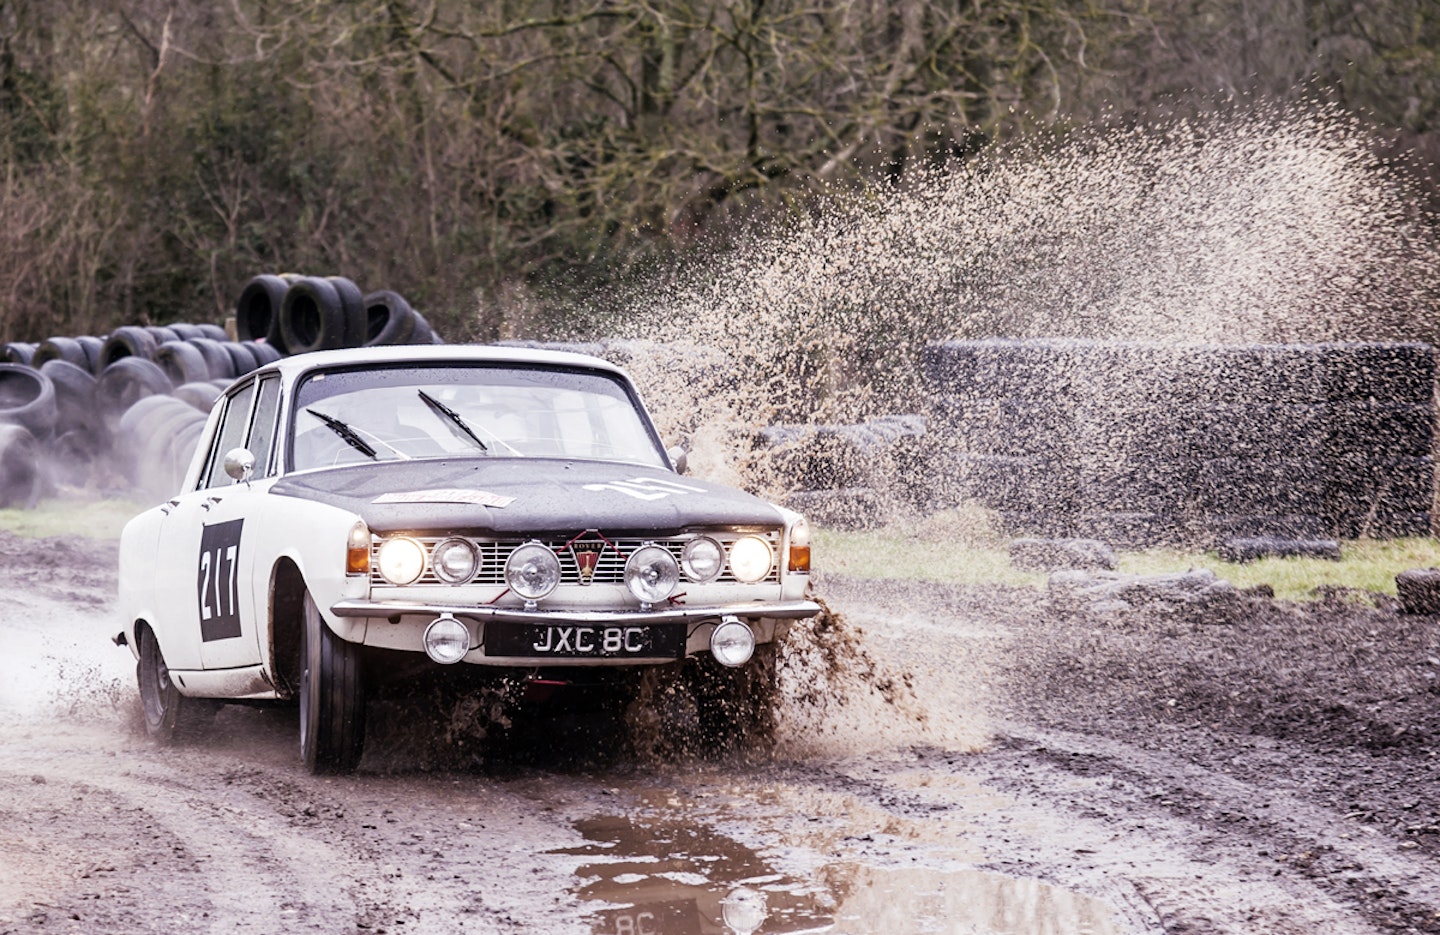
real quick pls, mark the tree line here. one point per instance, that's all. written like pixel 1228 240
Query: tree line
pixel 474 156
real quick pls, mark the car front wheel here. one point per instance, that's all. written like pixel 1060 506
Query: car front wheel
pixel 332 698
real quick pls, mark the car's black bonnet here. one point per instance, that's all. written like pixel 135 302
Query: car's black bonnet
pixel 526 495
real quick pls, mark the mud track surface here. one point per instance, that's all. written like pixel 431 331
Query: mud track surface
pixel 981 763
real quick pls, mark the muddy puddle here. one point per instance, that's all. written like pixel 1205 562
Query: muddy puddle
pixel 664 877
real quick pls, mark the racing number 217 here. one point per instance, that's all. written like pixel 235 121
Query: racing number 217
pixel 218 581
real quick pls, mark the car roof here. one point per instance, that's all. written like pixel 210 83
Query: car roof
pixel 295 365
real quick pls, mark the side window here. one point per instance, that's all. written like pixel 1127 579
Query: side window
pixel 262 431
pixel 231 434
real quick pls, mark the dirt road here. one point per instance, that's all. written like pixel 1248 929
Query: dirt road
pixel 983 764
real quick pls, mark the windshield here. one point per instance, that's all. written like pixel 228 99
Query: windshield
pixel 448 411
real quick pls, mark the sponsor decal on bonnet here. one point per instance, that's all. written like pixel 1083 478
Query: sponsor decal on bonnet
pixel 477 497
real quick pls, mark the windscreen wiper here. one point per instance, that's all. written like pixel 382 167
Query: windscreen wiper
pixel 455 419
pixel 348 434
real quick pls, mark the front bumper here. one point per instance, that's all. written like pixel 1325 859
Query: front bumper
pixel 394 610
pixel 401 625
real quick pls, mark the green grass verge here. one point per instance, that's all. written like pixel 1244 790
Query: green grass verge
pixel 96 519
pixel 1366 565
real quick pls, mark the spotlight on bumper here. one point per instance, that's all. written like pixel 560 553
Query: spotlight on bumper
pixel 733 642
pixel 447 640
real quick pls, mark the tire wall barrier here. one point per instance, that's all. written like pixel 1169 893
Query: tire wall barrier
pixel 1140 444
pixel 124 411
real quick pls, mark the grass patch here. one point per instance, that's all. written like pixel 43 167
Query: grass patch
pixel 95 519
pixel 1367 565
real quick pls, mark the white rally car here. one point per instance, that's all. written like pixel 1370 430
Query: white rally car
pixel 348 514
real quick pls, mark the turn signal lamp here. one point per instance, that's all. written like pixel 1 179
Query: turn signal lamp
pixel 800 547
pixel 357 549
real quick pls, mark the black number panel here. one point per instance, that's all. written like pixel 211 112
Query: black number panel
pixel 218 581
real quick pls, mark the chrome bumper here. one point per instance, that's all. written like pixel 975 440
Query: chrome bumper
pixel 774 610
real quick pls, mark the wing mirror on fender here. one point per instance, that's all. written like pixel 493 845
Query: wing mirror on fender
pixel 678 458
pixel 239 464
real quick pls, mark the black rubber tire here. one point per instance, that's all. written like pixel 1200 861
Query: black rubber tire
pixel 154 469
pixel 130 421
pixel 170 717
pixel 213 332
pixel 241 360
pixel 332 698
pixel 127 341
pixel 27 398
pixel 217 359
pixel 58 348
pixel 257 311
pixel 70 458
pixel 17 352
pixel 92 346
pixel 184 331
pixel 423 333
pixel 74 396
pixel 313 317
pixel 200 394
pixel 162 333
pixel 352 302
pixel 20 475
pixel 182 362
pixel 124 383
pixel 263 352
pixel 389 319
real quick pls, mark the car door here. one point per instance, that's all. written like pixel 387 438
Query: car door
pixel 205 550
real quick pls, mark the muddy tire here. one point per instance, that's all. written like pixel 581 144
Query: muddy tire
pixel 169 715
pixel 332 698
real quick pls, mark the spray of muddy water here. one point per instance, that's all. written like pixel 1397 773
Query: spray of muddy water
pixel 1252 224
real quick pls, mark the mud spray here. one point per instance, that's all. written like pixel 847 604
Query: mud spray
pixel 1254 223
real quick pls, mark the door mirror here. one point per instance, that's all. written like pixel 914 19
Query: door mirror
pixel 239 464
pixel 678 458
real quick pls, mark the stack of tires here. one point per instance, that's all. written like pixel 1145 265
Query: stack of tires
pixel 126 410
pixel 297 314
pixel 1146 444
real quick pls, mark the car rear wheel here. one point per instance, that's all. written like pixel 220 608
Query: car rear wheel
pixel 332 698
pixel 169 715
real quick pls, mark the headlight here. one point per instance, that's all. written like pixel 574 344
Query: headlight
pixel 401 560
pixel 732 642
pixel 651 574
pixel 446 640
pixel 702 559
pixel 750 559
pixel 532 571
pixel 455 561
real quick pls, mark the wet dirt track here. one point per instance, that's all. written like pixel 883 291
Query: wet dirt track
pixel 964 806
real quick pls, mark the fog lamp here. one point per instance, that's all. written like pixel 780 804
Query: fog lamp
pixel 454 561
pixel 732 643
pixel 651 574
pixel 447 640
pixel 401 560
pixel 750 559
pixel 532 571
